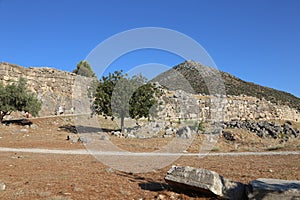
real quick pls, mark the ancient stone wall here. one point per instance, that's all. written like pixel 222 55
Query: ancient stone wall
pixel 53 87
pixel 179 105
pixel 58 88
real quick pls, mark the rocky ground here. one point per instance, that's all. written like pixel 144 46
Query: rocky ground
pixel 55 176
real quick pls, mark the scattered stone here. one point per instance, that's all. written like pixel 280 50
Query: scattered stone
pixel 23 130
pixel 104 137
pixel 73 138
pixel 109 170
pixel 116 133
pixel 167 136
pixel 269 189
pixel 85 139
pixel 169 131
pixel 130 135
pixel 228 136
pixel 2 186
pixel 161 197
pixel 266 129
pixel 203 181
pixel 184 132
pixel 33 126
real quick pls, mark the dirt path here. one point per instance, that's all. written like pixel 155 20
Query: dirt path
pixel 85 152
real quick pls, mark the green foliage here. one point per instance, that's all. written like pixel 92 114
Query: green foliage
pixel 16 97
pixel 199 127
pixel 143 102
pixel 215 149
pixel 274 148
pixel 118 95
pixel 103 94
pixel 84 69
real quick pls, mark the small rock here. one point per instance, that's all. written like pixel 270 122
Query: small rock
pixel 167 136
pixel 104 137
pixel 229 136
pixel 184 132
pixel 110 170
pixel 73 138
pixel 169 131
pixel 2 186
pixel 161 197
pixel 85 139
pixel 23 130
pixel 116 133
pixel 33 126
pixel 129 135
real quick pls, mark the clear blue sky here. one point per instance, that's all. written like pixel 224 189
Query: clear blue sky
pixel 256 40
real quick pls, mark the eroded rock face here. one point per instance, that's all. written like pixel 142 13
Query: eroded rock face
pixel 203 181
pixel 274 189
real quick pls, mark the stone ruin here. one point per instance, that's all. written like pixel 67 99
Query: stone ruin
pixel 179 105
pixel 190 180
pixel 59 88
pixel 53 87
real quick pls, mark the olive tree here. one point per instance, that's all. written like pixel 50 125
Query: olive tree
pixel 16 97
pixel 118 95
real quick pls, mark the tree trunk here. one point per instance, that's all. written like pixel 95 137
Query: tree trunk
pixel 122 123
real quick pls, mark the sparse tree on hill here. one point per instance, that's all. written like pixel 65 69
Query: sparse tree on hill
pixel 84 69
pixel 16 97
pixel 117 95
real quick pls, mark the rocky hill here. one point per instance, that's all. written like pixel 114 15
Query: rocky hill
pixel 192 77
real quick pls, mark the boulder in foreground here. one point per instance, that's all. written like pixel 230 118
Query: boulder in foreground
pixel 204 182
pixel 273 189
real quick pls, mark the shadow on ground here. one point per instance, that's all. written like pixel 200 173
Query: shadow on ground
pixel 21 122
pixel 83 129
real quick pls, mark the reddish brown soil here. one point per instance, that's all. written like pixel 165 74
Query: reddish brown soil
pixel 57 177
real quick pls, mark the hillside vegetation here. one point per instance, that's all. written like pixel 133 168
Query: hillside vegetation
pixel 193 77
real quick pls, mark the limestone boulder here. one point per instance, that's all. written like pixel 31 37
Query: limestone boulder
pixel 274 189
pixel 2 186
pixel 184 132
pixel 203 182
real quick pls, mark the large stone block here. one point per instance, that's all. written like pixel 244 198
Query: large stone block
pixel 203 182
pixel 274 189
